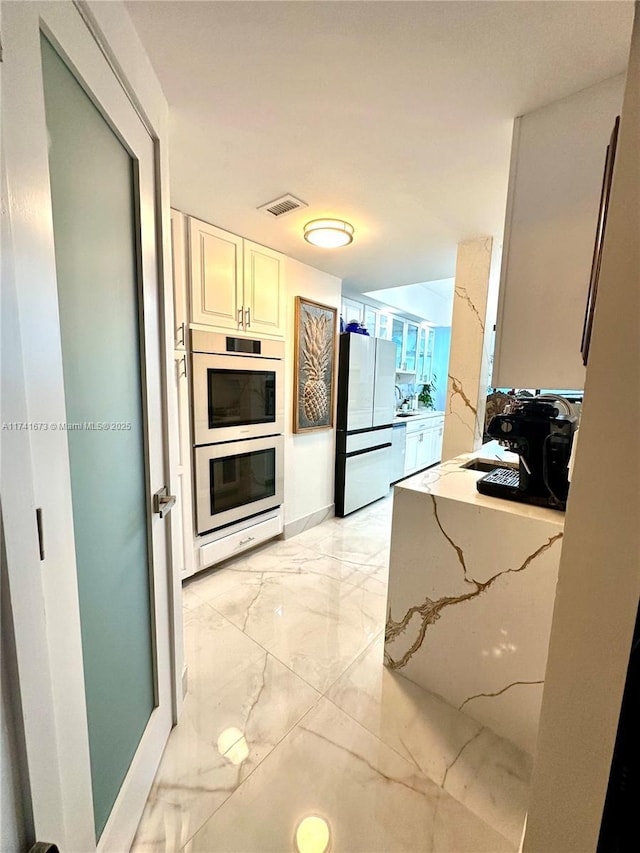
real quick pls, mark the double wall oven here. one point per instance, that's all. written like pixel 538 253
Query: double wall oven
pixel 238 416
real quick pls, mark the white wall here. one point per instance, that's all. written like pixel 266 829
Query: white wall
pixel 599 578
pixel 554 191
pixel 309 457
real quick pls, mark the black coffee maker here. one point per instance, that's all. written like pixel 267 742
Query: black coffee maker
pixel 534 429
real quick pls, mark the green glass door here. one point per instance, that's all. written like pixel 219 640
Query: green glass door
pixel 94 200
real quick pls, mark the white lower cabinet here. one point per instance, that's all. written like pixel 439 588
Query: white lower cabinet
pixel 424 443
pixel 411 453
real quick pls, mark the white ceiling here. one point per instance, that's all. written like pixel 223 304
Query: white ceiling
pixel 395 116
pixel 431 300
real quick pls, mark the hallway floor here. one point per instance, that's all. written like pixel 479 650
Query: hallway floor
pixel 290 714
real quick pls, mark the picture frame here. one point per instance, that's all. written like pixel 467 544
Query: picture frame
pixel 314 365
pixel 597 249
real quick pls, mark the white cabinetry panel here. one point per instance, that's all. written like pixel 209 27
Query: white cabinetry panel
pixel 235 284
pixel 216 276
pixel 424 443
pixel 557 162
pixel 263 295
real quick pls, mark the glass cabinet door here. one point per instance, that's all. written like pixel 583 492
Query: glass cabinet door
pixel 411 354
pixel 383 326
pixel 370 319
pixel 428 356
pixel 351 311
pixel 420 369
pixel 397 336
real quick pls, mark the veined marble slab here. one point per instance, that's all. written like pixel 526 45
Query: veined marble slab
pixel 487 773
pixel 471 323
pixel 369 798
pixel 472 583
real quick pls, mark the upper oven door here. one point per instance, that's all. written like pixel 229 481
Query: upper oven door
pixel 236 397
pixel 237 480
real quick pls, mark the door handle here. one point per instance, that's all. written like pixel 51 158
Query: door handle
pixel 182 369
pixel 248 318
pixel 180 335
pixel 240 313
pixel 163 502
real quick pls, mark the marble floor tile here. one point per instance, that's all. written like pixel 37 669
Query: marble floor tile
pixel 278 557
pixel 420 726
pixel 487 773
pixel 371 798
pixel 241 702
pixel 361 539
pixel 189 598
pixel 491 778
pixel 390 766
pixel 314 624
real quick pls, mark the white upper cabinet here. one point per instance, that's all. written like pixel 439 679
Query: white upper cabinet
pixel 557 163
pixel 263 291
pixel 235 284
pixel 216 276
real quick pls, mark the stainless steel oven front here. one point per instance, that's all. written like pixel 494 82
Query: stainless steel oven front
pixel 237 387
pixel 236 480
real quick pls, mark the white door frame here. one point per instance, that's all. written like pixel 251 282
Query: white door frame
pixel 48 637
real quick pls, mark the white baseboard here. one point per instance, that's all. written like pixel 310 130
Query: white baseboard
pixel 293 528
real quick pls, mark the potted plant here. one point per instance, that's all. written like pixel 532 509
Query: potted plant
pixel 425 397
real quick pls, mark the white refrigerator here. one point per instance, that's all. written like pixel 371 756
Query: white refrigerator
pixel 366 408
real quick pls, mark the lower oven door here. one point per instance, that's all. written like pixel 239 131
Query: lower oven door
pixel 236 480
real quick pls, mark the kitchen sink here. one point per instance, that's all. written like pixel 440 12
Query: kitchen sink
pixel 405 414
pixel 480 465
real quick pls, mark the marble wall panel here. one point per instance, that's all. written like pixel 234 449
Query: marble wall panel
pixel 471 327
pixel 470 604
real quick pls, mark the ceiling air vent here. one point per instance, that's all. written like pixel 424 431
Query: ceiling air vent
pixel 281 206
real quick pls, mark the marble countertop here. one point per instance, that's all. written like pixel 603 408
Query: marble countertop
pixel 451 481
pixel 418 416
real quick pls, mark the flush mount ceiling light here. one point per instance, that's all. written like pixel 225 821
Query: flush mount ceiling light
pixel 328 233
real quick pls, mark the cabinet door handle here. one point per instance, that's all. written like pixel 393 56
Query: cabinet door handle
pixel 247 540
pixel 248 318
pixel 180 335
pixel 182 369
pixel 240 314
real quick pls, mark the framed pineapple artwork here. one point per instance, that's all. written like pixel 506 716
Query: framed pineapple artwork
pixel 314 365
